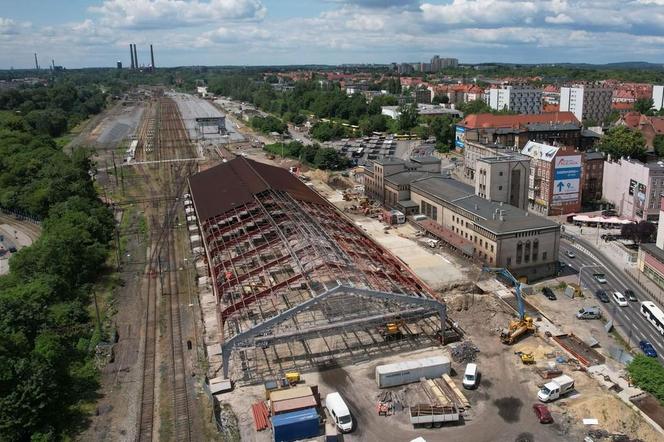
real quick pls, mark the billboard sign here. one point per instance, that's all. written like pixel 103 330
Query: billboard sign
pixel 459 137
pixel 567 179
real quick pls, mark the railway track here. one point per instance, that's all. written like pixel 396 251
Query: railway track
pixel 163 262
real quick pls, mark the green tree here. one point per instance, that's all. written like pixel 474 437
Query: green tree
pixel 658 145
pixel 621 141
pixel 407 118
pixel 643 105
pixel 474 107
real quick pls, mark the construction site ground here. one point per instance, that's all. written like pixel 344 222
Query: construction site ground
pixel 501 407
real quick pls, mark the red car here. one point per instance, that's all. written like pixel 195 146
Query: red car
pixel 542 413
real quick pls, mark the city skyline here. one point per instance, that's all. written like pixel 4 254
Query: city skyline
pixel 85 33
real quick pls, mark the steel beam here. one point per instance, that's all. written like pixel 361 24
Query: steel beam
pixel 425 302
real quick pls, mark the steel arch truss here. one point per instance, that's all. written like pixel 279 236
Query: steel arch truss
pixel 263 333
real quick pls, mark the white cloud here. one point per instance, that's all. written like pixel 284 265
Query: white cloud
pixel 560 19
pixel 9 26
pixel 166 14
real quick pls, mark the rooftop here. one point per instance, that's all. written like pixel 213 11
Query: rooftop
pixel 233 184
pixel 504 159
pixel 426 159
pixel 401 178
pixel 487 120
pixel 488 212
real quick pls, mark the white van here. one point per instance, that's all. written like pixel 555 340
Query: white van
pixel 470 376
pixel 339 412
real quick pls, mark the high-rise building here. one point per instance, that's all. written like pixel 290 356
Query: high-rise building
pixel 658 97
pixel 587 103
pixel 519 99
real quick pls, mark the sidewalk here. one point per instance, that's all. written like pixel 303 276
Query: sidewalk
pixel 611 250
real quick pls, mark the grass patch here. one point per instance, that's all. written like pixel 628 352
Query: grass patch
pixel 647 373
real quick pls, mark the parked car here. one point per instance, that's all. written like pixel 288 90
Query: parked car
pixel 589 313
pixel 620 299
pixel 549 293
pixel 629 294
pixel 602 296
pixel 648 349
pixel 570 254
pixel 543 414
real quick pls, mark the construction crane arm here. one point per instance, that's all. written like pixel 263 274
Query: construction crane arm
pixel 517 286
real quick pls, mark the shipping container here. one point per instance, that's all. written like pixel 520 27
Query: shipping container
pixel 288 405
pixel 296 425
pixel 406 372
pixel 290 393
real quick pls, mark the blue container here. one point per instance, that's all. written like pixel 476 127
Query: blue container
pixel 296 425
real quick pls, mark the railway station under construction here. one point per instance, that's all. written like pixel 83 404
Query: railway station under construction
pixel 297 285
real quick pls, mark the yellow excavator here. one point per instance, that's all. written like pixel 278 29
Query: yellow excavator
pixel 516 327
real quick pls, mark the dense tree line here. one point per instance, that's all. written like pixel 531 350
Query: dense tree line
pixel 268 124
pixel 46 337
pixel 314 155
pixel 648 374
pixel 51 110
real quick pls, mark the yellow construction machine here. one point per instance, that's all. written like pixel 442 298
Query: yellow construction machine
pixel 516 327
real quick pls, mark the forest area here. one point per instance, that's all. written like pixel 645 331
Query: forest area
pixel 47 337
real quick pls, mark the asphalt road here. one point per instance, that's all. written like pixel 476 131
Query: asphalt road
pixel 589 261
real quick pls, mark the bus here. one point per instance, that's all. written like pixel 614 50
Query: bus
pixel 653 314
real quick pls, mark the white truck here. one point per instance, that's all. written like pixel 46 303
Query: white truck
pixel 555 388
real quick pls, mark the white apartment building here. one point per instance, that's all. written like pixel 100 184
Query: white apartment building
pixel 586 103
pixel 520 99
pixel 658 97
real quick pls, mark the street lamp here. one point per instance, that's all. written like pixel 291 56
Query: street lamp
pixel 583 267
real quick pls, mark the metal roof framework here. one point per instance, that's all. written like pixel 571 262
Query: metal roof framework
pixel 286 269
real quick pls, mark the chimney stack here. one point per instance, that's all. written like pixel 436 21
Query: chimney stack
pixel 135 57
pixel 131 55
pixel 152 58
pixel 36 62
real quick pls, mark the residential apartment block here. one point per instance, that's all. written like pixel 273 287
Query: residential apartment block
pixel 634 187
pixel 593 176
pixel 587 103
pixel 658 97
pixel 516 130
pixel 519 99
pixel 556 179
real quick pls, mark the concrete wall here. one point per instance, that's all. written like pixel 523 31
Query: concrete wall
pixel 503 181
pixel 502 250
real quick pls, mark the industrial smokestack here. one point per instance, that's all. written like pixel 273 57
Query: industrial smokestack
pixel 135 56
pixel 152 58
pixel 52 64
pixel 36 62
pixel 131 55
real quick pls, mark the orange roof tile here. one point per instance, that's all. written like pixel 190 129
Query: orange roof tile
pixel 476 121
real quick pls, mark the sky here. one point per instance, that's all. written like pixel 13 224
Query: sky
pixel 90 33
